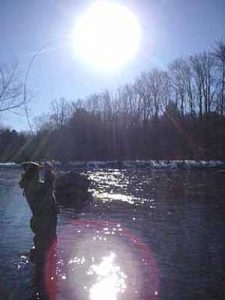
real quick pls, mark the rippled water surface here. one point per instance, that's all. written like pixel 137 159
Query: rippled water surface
pixel 156 234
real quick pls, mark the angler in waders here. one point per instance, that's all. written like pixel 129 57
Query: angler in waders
pixel 40 197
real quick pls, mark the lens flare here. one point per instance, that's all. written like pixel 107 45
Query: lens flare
pixel 101 259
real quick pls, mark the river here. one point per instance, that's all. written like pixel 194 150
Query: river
pixel 149 234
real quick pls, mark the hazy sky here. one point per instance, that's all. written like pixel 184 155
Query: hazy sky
pixel 170 29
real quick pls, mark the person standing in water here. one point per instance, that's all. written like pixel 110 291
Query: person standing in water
pixel 40 197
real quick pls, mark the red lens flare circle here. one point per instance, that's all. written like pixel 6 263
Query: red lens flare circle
pixel 142 268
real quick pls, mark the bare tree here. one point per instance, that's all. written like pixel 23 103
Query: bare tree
pixel 209 86
pixel 219 54
pixel 42 123
pixel 154 92
pixel 198 76
pixel 203 66
pixel 190 87
pixel 178 76
pixel 10 88
pixel 61 113
pixel 134 103
pixel 143 87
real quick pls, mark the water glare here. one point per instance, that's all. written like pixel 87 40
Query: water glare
pixel 110 279
pixel 105 258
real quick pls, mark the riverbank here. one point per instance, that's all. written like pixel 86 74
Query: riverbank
pixel 132 164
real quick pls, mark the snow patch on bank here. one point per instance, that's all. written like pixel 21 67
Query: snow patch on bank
pixel 133 164
pixel 149 164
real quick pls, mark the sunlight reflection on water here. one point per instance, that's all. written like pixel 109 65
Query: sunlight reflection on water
pixel 110 279
pixel 110 197
pixel 104 260
pixel 107 187
pixel 111 179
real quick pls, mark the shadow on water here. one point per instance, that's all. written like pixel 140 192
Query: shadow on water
pixel 147 235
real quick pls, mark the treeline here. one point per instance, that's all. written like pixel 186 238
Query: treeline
pixel 178 113
pixel 11 144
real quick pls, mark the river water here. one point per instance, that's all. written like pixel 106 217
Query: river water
pixel 149 234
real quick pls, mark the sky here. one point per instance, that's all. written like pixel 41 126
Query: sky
pixel 170 29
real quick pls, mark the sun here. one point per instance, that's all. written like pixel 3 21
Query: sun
pixel 106 36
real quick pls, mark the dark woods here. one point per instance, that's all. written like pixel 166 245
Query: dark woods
pixel 174 114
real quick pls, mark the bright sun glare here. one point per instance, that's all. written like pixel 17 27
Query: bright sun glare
pixel 111 281
pixel 106 36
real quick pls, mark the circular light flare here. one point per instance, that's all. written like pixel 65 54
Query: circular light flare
pixel 123 273
pixel 106 36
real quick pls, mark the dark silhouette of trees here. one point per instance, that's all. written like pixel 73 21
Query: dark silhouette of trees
pixel 11 144
pixel 176 113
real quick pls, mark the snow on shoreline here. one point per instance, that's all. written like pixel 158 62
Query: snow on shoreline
pixel 133 164
pixel 9 165
pixel 148 164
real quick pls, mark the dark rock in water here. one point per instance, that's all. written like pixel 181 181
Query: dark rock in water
pixel 71 189
pixel 75 179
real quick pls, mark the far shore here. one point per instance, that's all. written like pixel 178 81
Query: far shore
pixel 130 164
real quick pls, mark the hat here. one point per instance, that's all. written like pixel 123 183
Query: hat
pixel 30 167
